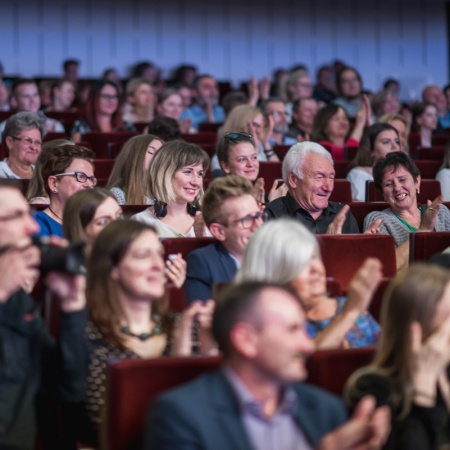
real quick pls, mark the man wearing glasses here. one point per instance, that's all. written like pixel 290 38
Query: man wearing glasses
pixel 275 111
pixel 31 361
pixel 232 215
pixel 25 97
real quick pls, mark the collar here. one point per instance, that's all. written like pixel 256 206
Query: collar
pixel 292 207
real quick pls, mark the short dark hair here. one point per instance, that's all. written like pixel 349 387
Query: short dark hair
pixel 393 161
pixel 224 145
pixel 199 78
pixel 70 62
pixel 19 82
pixel 235 303
pixel 165 128
pixel 339 76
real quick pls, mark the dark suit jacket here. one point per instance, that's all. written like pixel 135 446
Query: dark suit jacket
pixel 204 415
pixel 205 266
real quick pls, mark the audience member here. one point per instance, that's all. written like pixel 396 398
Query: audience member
pixel 392 85
pixel 185 74
pixel 232 99
pixel 424 122
pixel 443 175
pixel 434 95
pixel 325 88
pixel 68 169
pixel 62 96
pixel 350 91
pixel 25 97
pixel 275 112
pixel 284 252
pixel 127 309
pixel 309 175
pixel 4 97
pixel 398 178
pixel 207 108
pixel 149 72
pixel 102 112
pixel 176 185
pixel 45 93
pixel 257 398
pixel 36 193
pixel 128 181
pixel 378 140
pixel 331 128
pixel 23 134
pixel 70 68
pixel 304 111
pixel 401 125
pixel 232 215
pixel 410 372
pixel 385 102
pixel 140 103
pixel 111 74
pixel 32 363
pixel 166 128
pixel 295 84
pixel 170 104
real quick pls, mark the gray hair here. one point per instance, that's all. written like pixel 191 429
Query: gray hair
pixel 277 252
pixel 22 121
pixel 293 161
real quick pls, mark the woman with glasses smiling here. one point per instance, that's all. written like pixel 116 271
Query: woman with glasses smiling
pixel 23 137
pixel 102 112
pixel 67 170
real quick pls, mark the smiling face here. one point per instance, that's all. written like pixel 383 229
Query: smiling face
pixel 26 98
pixel 428 119
pixel 301 88
pixel 187 183
pixel 307 110
pixel 152 148
pixel 22 151
pixel 311 282
pixel 106 212
pixel 350 84
pixel 143 95
pixel 171 107
pixel 401 130
pixel 140 273
pixel 386 141
pixel 338 126
pixel 400 189
pixel 279 115
pixel 313 191
pixel 65 94
pixel 108 100
pixel 242 161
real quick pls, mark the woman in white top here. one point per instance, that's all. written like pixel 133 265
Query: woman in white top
pixel 176 185
pixel 378 140
pixel 443 175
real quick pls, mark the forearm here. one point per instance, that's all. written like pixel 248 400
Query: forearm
pixel 334 334
pixel 402 255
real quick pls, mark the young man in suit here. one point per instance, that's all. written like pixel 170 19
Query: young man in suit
pixel 231 213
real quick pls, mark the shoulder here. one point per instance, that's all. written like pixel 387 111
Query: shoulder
pixel 119 194
pixel 359 174
pixel 145 216
pixel 278 207
pixel 210 249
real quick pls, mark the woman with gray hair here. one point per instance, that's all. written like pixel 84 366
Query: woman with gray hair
pixel 284 251
pixel 23 136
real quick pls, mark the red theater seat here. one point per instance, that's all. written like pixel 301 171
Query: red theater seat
pixel 100 142
pixel 377 299
pixel 184 245
pixel 422 246
pixel 342 191
pixel 103 167
pixel 434 153
pixel 361 209
pixel 428 168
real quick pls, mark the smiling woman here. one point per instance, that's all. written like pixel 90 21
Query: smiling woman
pixel 23 136
pixel 176 183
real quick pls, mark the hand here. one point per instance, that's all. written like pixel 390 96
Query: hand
pixel 209 106
pixel 71 290
pixel 364 114
pixel 19 264
pixel 304 138
pixel 253 93
pixel 374 228
pixel 258 191
pixel 264 88
pixel 265 135
pixel 363 285
pixel 368 429
pixel 335 227
pixel 205 316
pixel 199 225
pixel 277 191
pixel 176 270
pixel 185 125
pixel 429 218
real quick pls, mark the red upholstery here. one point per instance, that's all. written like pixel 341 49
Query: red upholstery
pixel 428 168
pixel 103 167
pixel 422 246
pixel 330 369
pixel 100 141
pixel 350 152
pixel 50 136
pixel 270 171
pixel 202 137
pixel 344 254
pixel 133 384
pixel 131 210
pixel 377 299
pixel 281 150
pixel 439 140
pixel 341 168
pixel 67 118
pixel 177 299
pixel 210 127
pixel 361 209
pixel 434 153
pixel 184 245
pixel 429 190
pixel 5 115
pixel 114 149
pixel 342 191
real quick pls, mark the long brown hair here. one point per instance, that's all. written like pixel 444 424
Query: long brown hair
pixel 103 302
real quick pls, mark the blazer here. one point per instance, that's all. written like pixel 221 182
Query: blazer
pixel 205 266
pixel 204 415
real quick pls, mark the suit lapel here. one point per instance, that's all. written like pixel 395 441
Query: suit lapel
pixel 228 263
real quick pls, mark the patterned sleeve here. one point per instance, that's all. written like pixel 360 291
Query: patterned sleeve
pixel 119 194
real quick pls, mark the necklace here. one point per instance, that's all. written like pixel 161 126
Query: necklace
pixel 56 215
pixel 143 336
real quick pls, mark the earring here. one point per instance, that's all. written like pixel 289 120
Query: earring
pixel 418 191
pixel 55 191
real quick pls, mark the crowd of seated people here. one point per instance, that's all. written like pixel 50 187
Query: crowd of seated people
pixel 277 309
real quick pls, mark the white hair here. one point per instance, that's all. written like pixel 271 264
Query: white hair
pixel 295 157
pixel 277 252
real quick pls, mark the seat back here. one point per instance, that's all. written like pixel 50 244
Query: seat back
pixel 361 209
pixel 184 245
pixel 342 191
pixel 422 245
pixel 330 369
pixel 103 167
pixel 133 384
pixel 100 141
pixel 377 299
pixel 431 153
pixel 428 168
pixel 341 168
pixel 270 171
pixel 344 254
pixel 429 190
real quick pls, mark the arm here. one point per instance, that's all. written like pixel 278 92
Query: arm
pixel 363 119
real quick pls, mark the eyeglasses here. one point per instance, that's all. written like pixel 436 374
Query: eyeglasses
pixel 249 221
pixel 237 135
pixel 28 141
pixel 109 97
pixel 80 176
pixel 279 113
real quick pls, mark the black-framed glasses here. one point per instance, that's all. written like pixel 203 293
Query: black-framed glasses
pixel 109 96
pixel 249 220
pixel 236 135
pixel 28 141
pixel 80 176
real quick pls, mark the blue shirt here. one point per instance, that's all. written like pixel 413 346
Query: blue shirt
pixel 198 115
pixel 49 226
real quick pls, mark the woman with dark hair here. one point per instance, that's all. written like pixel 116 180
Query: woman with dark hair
pixel 443 175
pixel 424 122
pixel 102 112
pixel 398 178
pixel 170 104
pixel 176 185
pixel 128 311
pixel 331 128
pixel 378 140
pixel 68 169
pixel 410 372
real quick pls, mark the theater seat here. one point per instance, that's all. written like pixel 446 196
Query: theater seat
pixel 184 245
pixel 429 190
pixel 103 167
pixel 377 299
pixel 422 246
pixel 428 168
pixel 330 369
pixel 131 210
pixel 133 384
pixel 431 153
pixel 344 254
pixel 342 191
pixel 100 141
pixel 361 209
pixel 341 168
pixel 270 171
pixel 281 150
